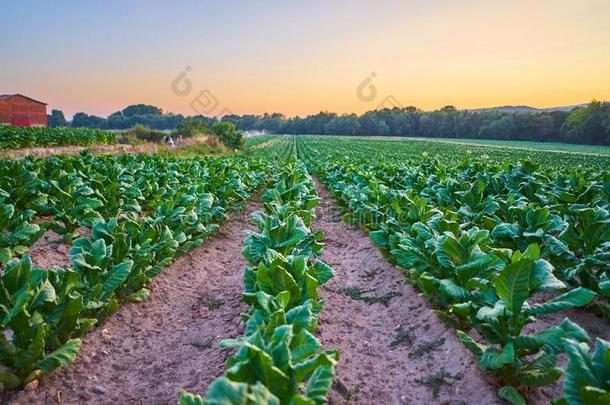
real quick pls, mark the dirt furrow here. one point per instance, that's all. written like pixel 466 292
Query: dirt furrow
pixel 146 353
pixel 395 354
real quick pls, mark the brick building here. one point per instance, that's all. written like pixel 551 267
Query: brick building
pixel 22 111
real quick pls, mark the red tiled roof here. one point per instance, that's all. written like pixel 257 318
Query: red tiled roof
pixel 3 96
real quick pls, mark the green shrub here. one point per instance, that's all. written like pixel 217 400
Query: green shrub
pixel 226 132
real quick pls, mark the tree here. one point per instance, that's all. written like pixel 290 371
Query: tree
pixel 56 119
pixel 228 135
pixel 191 126
pixel 82 120
pixel 141 109
pixel 586 125
pixel 347 124
pixel 503 127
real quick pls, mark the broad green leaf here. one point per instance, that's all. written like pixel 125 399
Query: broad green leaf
pixel 9 380
pixel 186 398
pixel 319 384
pixel 575 298
pixel 65 354
pixel 5 255
pixel 492 358
pixel 140 295
pixel 470 343
pixel 118 275
pixel 511 395
pixel 513 283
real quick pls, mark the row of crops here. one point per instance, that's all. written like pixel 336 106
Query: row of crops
pixel 27 137
pixel 496 239
pixel 279 360
pixel 492 244
pixel 125 217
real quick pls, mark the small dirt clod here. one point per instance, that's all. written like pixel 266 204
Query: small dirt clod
pixel 100 390
pixel 32 385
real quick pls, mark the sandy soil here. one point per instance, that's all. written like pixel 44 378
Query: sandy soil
pixel 372 369
pixel 146 353
pixel 50 250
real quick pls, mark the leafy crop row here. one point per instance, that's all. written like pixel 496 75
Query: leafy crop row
pixel 279 360
pixel 26 137
pixel 488 243
pixel 138 214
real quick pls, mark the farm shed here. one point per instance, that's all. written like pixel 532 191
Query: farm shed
pixel 21 111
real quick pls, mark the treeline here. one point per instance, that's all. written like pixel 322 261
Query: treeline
pixel 139 114
pixel 587 125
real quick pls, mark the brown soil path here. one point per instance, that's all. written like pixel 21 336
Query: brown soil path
pixel 146 353
pixel 371 368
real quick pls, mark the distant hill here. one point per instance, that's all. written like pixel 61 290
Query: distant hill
pixel 525 108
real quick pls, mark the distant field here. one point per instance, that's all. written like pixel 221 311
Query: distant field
pixel 549 155
pixel 547 146
pixel 528 145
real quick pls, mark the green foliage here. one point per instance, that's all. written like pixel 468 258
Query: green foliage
pixel 480 237
pixel 147 115
pixel 191 126
pixel 588 124
pixel 144 133
pixel 279 360
pixel 228 135
pixel 437 380
pixel 587 379
pixel 17 232
pixel 56 119
pixel 141 109
pixel 27 137
pixel 141 212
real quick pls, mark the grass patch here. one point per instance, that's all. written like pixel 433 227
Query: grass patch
pixel 370 274
pixel 210 302
pixel 203 345
pixel 347 394
pixel 426 347
pixel 403 336
pixel 356 293
pixel 437 380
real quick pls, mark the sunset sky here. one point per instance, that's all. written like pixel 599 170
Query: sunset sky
pixel 300 57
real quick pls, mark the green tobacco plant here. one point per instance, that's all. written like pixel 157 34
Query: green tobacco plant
pixel 223 389
pixel 454 272
pixel 527 225
pixel 292 274
pixel 17 233
pixel 142 212
pixel 587 379
pixel 425 203
pixel 279 360
pixel 523 360
pixel 32 318
pixel 283 362
pixel 25 137
pixel 276 236
pixel 588 236
pixel 73 204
